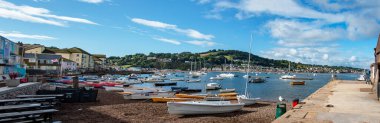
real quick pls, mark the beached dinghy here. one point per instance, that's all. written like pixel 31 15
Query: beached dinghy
pixel 202 107
pixel 137 96
pixel 246 100
pixel 168 99
pixel 190 96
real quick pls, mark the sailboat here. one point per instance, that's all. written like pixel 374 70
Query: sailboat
pixel 288 76
pixel 244 98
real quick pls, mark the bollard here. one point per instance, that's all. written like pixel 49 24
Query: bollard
pixel 75 82
pixel 280 110
pixel 295 102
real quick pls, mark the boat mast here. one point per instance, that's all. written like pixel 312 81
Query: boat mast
pixel 249 62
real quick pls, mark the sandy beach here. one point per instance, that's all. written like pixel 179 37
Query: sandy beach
pixel 111 107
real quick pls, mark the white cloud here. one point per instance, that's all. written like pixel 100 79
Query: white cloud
pixel 37 15
pixel 92 1
pixel 202 43
pixel 353 59
pixel 294 33
pixel 202 1
pixel 286 8
pixel 168 41
pixel 19 35
pixel 188 32
pixel 325 56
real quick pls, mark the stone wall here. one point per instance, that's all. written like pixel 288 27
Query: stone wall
pixel 22 89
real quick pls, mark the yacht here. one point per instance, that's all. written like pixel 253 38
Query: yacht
pixel 213 86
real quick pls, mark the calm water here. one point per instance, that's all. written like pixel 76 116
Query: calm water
pixel 270 90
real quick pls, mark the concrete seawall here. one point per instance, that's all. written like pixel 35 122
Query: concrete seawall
pixel 338 101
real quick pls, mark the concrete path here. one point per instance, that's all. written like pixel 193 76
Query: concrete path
pixel 339 101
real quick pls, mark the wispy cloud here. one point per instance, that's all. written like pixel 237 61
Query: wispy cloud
pixel 36 15
pixel 192 33
pixel 172 41
pixel 19 35
pixel 202 43
pixel 92 1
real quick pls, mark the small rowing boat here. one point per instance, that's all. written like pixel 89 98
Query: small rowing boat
pixel 168 99
pixel 189 96
pixel 297 83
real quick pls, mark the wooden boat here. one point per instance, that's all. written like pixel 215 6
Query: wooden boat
pixel 189 96
pixel 168 99
pixel 227 90
pixel 227 94
pixel 202 107
pixel 298 83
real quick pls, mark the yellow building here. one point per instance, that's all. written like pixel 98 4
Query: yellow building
pixel 78 55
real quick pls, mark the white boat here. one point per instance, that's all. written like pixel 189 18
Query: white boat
pixel 245 99
pixel 177 79
pixel 202 107
pixel 194 80
pixel 113 89
pixel 227 90
pixel 213 86
pixel 139 96
pixel 152 80
pixel 361 78
pixel 216 78
pixel 227 75
pixel 288 76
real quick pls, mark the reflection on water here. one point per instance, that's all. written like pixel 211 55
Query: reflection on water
pixel 270 90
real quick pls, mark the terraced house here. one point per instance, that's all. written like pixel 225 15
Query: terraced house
pixel 83 60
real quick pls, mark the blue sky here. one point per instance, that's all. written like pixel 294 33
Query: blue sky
pixel 328 32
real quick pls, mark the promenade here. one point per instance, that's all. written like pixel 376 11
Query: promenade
pixel 340 101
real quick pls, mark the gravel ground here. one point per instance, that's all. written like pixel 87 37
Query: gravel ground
pixel 112 108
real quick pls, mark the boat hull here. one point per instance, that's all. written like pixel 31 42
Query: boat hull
pixel 184 108
pixel 142 96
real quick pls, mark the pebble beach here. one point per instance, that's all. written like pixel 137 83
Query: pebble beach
pixel 112 108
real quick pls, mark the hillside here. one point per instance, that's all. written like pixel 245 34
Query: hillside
pixel 209 59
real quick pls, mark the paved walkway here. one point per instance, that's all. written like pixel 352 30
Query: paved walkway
pixel 339 101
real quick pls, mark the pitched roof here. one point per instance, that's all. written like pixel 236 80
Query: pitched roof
pixel 77 50
pixel 99 55
pixel 42 56
pixel 65 50
pixel 32 46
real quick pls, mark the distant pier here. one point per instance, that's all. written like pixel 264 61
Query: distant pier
pixel 339 101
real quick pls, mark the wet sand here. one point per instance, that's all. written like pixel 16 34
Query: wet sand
pixel 112 108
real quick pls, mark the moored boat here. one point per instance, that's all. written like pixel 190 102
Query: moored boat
pixel 213 86
pixel 165 83
pixel 246 100
pixel 227 90
pixel 297 83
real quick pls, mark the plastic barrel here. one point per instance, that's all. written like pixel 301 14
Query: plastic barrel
pixel 295 102
pixel 280 110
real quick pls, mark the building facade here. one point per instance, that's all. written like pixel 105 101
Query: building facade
pixel 11 57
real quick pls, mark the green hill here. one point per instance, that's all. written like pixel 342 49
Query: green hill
pixel 211 59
